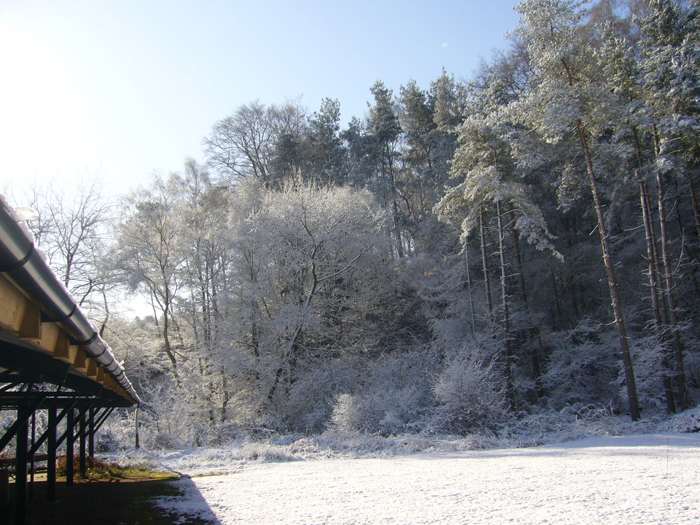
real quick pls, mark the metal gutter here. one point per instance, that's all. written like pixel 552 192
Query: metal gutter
pixel 26 265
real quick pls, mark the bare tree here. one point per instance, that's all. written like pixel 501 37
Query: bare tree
pixel 72 230
pixel 149 255
pixel 242 145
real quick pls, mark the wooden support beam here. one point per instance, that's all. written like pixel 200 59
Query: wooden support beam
pixel 82 445
pixel 103 417
pixel 12 305
pixel 91 432
pixel 22 418
pixel 4 487
pixel 90 367
pixel 75 357
pixel 30 328
pixel 18 314
pixel 62 347
pixel 49 337
pixel 53 340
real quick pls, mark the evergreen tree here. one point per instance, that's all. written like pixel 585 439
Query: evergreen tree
pixel 566 98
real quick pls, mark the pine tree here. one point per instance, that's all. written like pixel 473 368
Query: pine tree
pixel 490 184
pixel 565 98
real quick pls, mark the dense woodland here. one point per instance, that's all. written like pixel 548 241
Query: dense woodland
pixel 465 254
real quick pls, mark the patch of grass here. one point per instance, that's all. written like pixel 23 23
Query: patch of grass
pixel 100 470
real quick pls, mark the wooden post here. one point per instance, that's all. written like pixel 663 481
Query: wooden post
pixel 82 430
pixel 70 440
pixel 4 487
pixel 51 461
pixel 21 468
pixel 31 459
pixel 91 433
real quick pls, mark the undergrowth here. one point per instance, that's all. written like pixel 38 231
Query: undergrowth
pixel 98 469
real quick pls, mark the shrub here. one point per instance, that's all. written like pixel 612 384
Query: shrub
pixel 469 393
pixel 394 398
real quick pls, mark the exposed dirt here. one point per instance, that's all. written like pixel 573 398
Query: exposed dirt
pixel 112 501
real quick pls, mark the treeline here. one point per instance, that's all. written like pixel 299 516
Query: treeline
pixel 523 241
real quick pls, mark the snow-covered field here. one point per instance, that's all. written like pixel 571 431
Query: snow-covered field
pixel 618 480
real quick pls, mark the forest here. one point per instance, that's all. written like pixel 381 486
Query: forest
pixel 465 255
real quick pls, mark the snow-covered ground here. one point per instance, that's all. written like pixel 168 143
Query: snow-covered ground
pixel 618 480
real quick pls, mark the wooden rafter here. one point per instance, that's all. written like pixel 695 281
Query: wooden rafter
pixel 20 316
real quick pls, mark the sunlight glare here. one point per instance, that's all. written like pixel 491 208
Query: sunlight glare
pixel 41 120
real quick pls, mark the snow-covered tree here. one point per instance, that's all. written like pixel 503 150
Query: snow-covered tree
pixel 565 99
pixel 489 185
pixel 149 253
pixel 669 65
pixel 316 245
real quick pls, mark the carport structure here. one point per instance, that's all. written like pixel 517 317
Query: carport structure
pixel 51 359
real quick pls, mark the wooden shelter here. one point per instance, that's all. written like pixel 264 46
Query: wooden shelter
pixel 52 360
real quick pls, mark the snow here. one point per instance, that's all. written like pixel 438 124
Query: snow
pixel 638 479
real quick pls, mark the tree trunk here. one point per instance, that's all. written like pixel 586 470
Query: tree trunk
pixel 694 202
pixel 484 262
pixel 289 353
pixel 519 261
pixel 669 292
pixel 669 287
pixel 397 230
pixel 534 355
pixel 506 313
pixel 469 290
pixel 557 301
pixel 659 325
pixel 609 267
pixel 167 346
pixel 570 281
pixel 612 280
pixel 224 395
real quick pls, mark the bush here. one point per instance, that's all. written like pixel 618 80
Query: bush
pixel 470 395
pixel 385 412
pixel 394 398
pixel 309 405
pixel 583 367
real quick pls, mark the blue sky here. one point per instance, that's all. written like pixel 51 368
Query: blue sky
pixel 120 89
